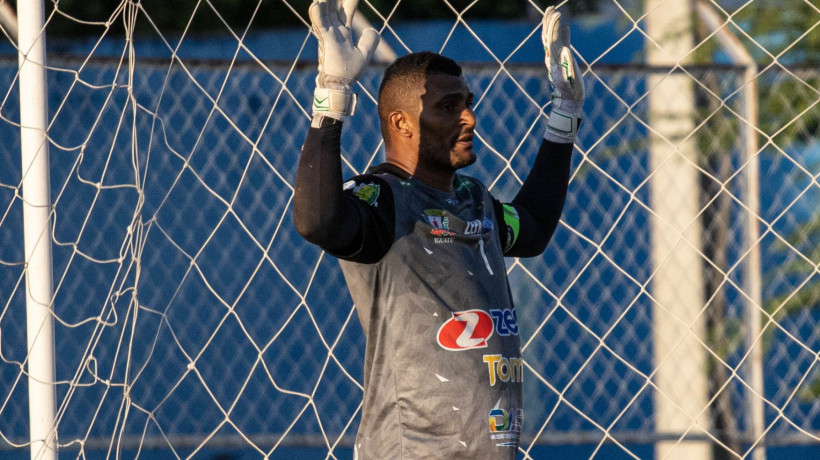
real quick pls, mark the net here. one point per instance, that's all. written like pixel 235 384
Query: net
pixel 191 319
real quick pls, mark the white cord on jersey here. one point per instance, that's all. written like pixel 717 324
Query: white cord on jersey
pixel 486 262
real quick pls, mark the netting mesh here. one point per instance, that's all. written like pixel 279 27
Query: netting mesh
pixel 190 315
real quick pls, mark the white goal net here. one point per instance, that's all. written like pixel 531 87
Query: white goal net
pixel 676 308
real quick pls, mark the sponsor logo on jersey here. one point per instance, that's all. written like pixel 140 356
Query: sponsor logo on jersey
pixel 503 369
pixel 488 224
pixel 466 330
pixel 506 321
pixel 472 328
pixel 463 184
pixel 505 426
pixel 368 193
pixel 473 227
pixel 441 232
pixel 499 420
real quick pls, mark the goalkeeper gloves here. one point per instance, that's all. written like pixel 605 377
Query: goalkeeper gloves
pixel 565 76
pixel 341 63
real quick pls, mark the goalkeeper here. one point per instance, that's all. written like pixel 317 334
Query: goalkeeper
pixel 422 247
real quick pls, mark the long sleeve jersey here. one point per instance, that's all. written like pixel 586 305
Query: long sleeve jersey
pixel 425 268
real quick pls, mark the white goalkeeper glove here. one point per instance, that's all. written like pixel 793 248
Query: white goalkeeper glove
pixel 341 63
pixel 565 76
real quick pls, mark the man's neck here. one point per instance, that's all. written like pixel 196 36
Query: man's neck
pixel 439 179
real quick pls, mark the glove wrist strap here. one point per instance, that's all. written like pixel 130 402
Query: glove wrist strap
pixel 332 102
pixel 562 126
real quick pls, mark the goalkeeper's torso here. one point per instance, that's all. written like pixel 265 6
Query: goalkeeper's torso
pixel 443 366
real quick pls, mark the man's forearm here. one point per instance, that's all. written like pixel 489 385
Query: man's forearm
pixel 541 198
pixel 318 191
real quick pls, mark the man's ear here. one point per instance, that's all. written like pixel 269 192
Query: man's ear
pixel 400 124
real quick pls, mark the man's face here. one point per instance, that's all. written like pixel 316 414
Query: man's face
pixel 446 123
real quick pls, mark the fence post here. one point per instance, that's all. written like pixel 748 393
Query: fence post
pixel 678 326
pixel 37 229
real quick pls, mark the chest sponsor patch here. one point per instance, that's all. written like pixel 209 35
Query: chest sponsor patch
pixel 466 330
pixel 503 369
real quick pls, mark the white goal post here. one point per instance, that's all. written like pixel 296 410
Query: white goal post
pixel 36 204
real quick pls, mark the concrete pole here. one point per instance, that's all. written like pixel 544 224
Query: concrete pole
pixel 677 285
pixel 37 229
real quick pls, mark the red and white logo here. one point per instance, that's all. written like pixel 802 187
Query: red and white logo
pixel 466 330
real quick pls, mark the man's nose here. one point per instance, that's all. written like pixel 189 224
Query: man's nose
pixel 468 117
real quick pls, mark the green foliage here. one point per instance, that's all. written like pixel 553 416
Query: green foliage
pixel 778 37
pixel 777 31
pixel 804 239
pixel 782 107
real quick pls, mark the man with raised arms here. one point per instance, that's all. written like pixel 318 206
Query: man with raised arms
pixel 422 246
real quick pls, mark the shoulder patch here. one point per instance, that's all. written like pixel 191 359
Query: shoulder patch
pixel 513 223
pixel 369 193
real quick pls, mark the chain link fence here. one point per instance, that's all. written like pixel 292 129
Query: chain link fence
pixel 190 315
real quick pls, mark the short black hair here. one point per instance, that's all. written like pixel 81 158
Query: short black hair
pixel 404 79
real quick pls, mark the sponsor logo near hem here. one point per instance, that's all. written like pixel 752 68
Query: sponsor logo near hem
pixel 505 426
pixel 499 420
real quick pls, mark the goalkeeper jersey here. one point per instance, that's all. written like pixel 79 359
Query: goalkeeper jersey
pixel 443 367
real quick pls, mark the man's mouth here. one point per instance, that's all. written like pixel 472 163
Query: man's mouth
pixel 467 139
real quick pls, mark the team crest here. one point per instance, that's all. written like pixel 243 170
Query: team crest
pixel 437 218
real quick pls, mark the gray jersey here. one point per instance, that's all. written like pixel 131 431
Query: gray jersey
pixel 443 368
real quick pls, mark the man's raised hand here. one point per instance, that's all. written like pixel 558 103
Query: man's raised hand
pixel 565 76
pixel 341 62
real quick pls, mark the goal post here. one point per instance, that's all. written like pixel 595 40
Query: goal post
pixel 36 199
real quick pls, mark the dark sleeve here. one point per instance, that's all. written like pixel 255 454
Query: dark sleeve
pixel 357 227
pixel 532 216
